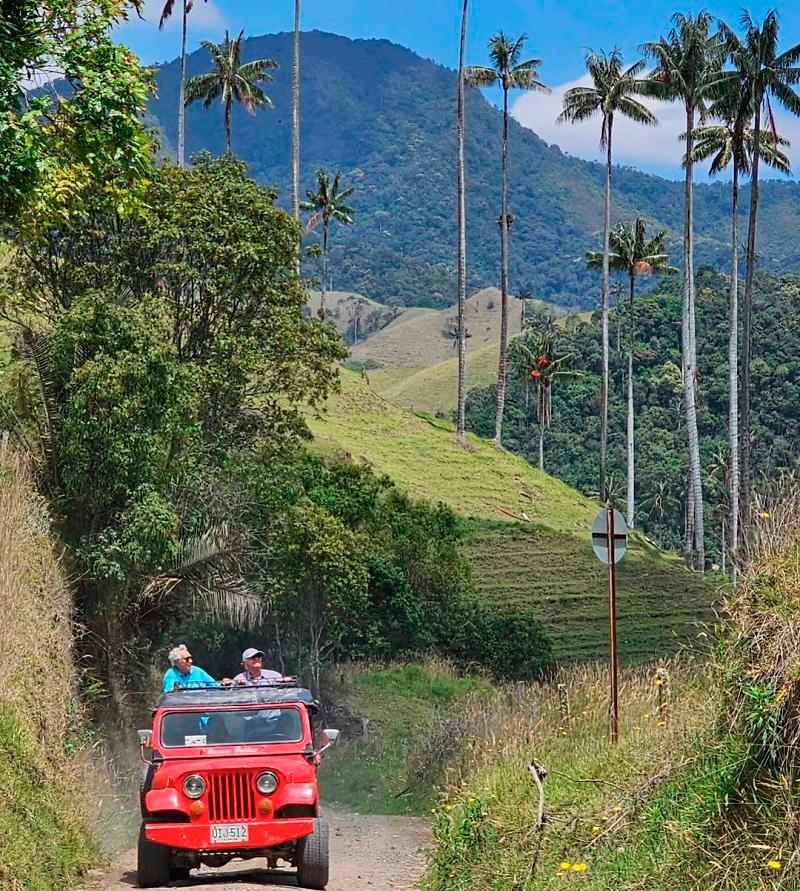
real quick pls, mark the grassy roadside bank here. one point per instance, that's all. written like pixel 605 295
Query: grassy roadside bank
pixel 44 839
pixel 398 725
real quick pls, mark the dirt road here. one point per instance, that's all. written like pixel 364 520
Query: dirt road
pixel 380 853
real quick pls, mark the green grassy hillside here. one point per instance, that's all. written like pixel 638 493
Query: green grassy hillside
pixel 435 388
pixel 544 564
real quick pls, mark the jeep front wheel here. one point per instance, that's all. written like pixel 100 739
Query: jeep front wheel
pixel 312 858
pixel 152 868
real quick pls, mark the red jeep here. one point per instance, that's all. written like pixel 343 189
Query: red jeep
pixel 233 773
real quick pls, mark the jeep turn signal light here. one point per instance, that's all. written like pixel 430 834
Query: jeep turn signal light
pixel 197 809
pixel 265 807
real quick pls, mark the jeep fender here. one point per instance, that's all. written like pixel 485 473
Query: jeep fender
pixel 168 799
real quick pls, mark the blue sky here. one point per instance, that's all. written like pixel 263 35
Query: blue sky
pixel 559 32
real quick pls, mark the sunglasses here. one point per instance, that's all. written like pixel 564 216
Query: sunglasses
pixel 186 659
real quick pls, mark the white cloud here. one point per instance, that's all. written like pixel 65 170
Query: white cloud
pixel 652 149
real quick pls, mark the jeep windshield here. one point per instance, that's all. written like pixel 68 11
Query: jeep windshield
pixel 228 727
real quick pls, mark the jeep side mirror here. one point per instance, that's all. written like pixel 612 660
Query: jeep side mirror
pixel 331 737
pixel 145 741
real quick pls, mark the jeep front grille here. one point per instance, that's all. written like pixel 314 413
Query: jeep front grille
pixel 231 796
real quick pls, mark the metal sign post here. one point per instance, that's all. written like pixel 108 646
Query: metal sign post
pixel 609 540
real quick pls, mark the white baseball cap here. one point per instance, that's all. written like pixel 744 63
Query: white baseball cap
pixel 250 652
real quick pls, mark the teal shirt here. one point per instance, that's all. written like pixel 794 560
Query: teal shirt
pixel 195 678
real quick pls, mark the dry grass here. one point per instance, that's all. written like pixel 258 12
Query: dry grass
pixel 43 840
pixel 36 641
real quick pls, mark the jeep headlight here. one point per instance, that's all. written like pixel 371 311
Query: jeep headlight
pixel 266 782
pixel 194 786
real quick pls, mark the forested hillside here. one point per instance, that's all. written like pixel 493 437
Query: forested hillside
pixel 386 118
pixel 571 444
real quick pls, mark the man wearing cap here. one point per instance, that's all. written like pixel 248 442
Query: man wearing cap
pixel 254 674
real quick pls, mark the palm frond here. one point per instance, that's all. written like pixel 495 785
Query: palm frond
pixel 205 88
pixel 208 571
pixel 477 76
pixel 166 12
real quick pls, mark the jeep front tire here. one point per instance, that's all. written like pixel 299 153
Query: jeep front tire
pixel 312 858
pixel 152 868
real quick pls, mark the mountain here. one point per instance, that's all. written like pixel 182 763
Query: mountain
pixel 386 118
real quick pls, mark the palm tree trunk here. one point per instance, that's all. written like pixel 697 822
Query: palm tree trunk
pixel 296 114
pixel 744 427
pixel 695 543
pixel 502 369
pixel 630 443
pixel 604 312
pixel 228 104
pixel 541 446
pixel 461 213
pixel 324 269
pixel 733 370
pixel 182 95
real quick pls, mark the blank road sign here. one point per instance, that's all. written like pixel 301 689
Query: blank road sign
pixel 600 536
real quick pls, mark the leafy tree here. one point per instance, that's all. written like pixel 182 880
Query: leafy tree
pixel 327 206
pixel 610 94
pixel 166 14
pixel 230 80
pixel 461 223
pixel 766 74
pixel 731 142
pixel 54 149
pixel 323 583
pixel 170 354
pixel 510 71
pixel 634 254
pixel 688 63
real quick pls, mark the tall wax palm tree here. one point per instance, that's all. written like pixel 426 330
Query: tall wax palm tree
pixel 511 72
pixel 766 75
pixel 687 69
pixel 730 142
pixel 166 13
pixel 296 113
pixel 633 253
pixel 537 358
pixel 461 221
pixel 327 205
pixel 229 80
pixel 610 94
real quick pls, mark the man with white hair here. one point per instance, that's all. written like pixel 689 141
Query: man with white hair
pixel 183 672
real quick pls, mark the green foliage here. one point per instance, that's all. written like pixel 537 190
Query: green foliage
pixel 52 152
pixel 36 802
pixel 571 445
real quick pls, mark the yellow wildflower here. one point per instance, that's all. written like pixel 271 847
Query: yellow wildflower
pixel 774 864
pixel 659 682
pixel 617 808
pixel 579 867
pixel 765 516
pixel 595 828
pixel 565 866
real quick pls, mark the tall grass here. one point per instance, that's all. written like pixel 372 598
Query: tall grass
pixel 43 840
pixel 487 829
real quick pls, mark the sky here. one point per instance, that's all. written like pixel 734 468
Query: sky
pixel 559 32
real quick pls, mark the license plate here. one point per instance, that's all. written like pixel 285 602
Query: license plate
pixel 230 834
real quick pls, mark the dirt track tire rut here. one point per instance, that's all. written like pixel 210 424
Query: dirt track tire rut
pixel 366 854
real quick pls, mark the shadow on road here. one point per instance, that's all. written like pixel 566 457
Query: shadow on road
pixel 230 879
